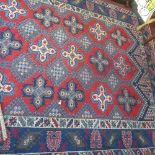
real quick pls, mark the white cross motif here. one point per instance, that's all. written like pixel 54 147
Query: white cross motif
pixel 12 9
pixel 43 50
pixel 99 33
pixel 72 55
pixel 101 98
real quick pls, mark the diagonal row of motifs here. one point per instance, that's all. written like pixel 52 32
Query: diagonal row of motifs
pixel 103 18
pixel 111 6
pixel 53 122
pixel 91 14
pixel 61 37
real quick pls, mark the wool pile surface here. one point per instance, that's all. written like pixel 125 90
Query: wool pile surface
pixel 74 79
pixel 149 48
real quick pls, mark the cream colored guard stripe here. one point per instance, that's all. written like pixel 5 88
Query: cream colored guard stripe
pixel 74 123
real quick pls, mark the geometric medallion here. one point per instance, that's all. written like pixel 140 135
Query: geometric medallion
pixel 72 56
pixel 127 100
pixel 73 24
pixel 98 32
pixel 110 48
pixel 121 65
pixel 101 98
pixel 71 95
pixel 8 44
pixel 47 18
pixel 12 10
pixel 120 39
pixel 99 61
pixel 38 92
pixel 43 50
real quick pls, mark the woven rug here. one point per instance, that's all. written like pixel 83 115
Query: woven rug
pixel 149 48
pixel 74 79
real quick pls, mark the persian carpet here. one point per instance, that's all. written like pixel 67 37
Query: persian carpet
pixel 149 48
pixel 74 79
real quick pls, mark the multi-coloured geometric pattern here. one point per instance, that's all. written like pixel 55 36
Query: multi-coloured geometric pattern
pixel 12 9
pixel 60 36
pixel 99 61
pixel 28 29
pixel 43 50
pixel 72 56
pixel 70 95
pixel 5 89
pixel 46 17
pixel 22 67
pixel 38 92
pixel 57 72
pixel 101 98
pixel 73 25
pixel 73 80
pixel 7 43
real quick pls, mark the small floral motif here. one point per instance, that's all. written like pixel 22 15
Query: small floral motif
pixel 96 139
pixel 127 139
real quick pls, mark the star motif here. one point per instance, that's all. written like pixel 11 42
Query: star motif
pixel 43 50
